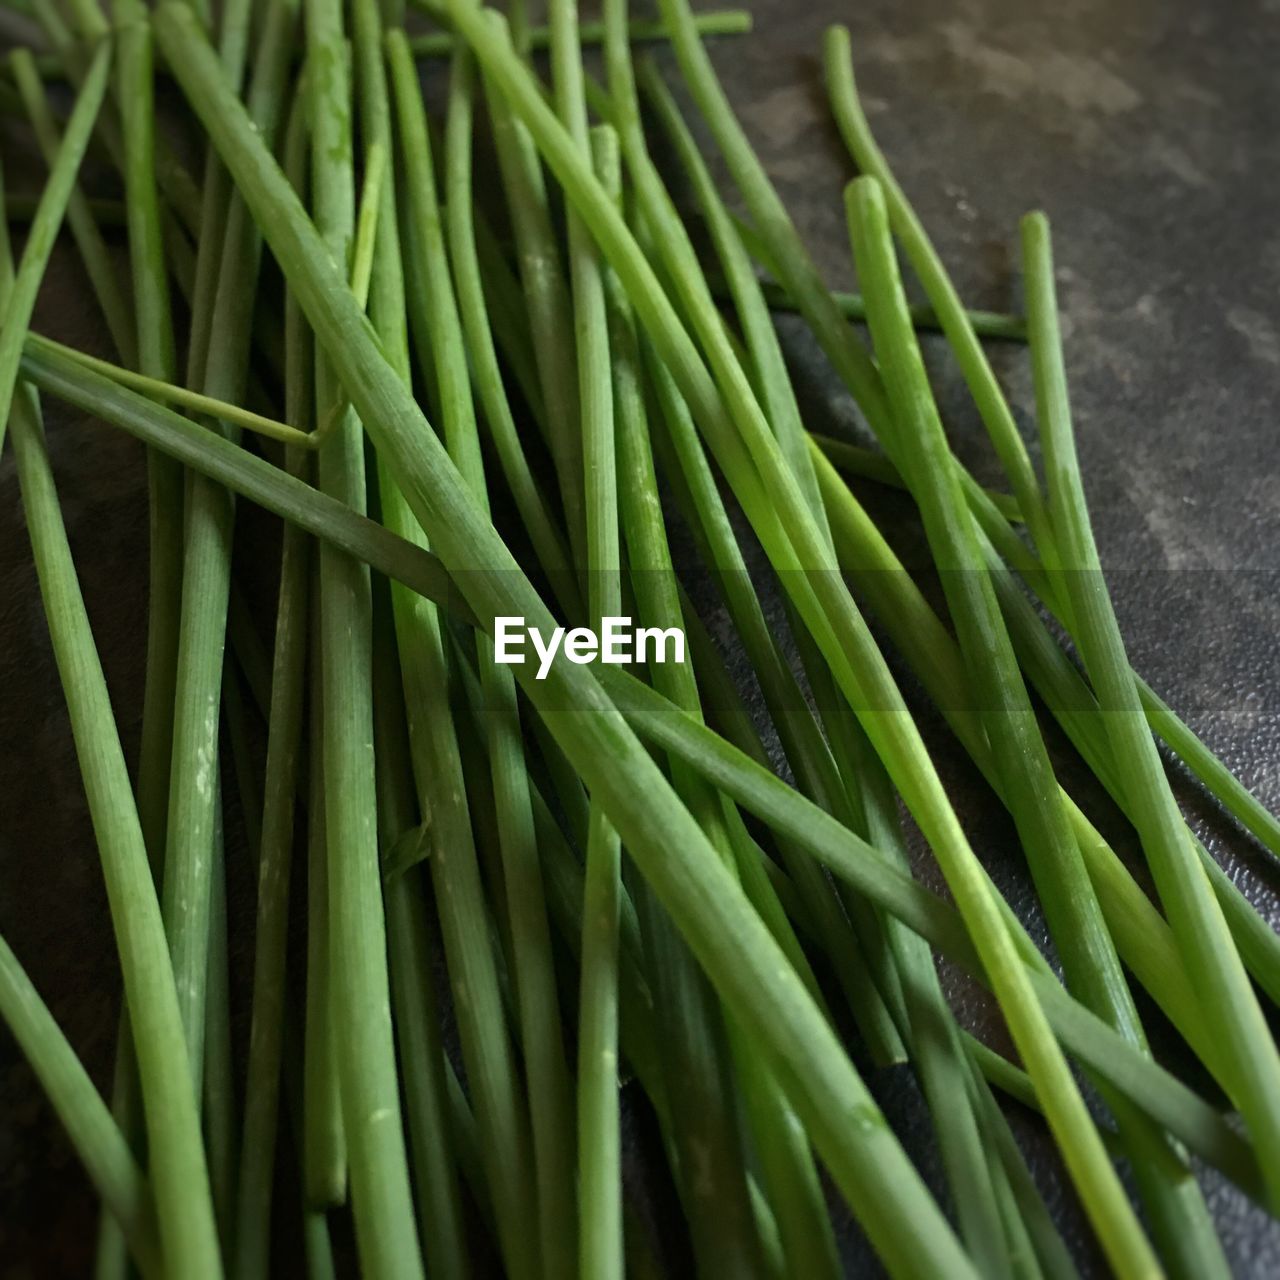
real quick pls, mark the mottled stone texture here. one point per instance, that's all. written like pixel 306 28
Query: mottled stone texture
pixel 1146 131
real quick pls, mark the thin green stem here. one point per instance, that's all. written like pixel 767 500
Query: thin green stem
pixel 1230 1005
pixel 93 250
pixel 361 996
pixel 102 1148
pixel 21 293
pixel 974 365
pixel 1074 916
pixel 715 22
pixel 538 1006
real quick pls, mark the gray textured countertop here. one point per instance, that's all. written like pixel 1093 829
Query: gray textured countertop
pixel 1147 131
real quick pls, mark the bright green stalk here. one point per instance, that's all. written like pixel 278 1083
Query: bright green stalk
pixel 797 271
pixel 101 1146
pixel 974 365
pixel 539 1012
pixel 726 935
pixel 714 22
pixel 179 1176
pixel 93 250
pixel 1022 761
pixel 600 1173
pixel 986 324
pixel 1141 935
pixel 167 392
pixel 279 790
pixel 1258 943
pixel 869 465
pixel 541 525
pixel 746 780
pixel 165 482
pixel 368 1083
pixel 1075 707
pixel 1228 1000
pixel 21 296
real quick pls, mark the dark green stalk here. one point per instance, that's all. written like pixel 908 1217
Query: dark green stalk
pixel 93 250
pixel 21 294
pixel 220 371
pixel 547 303
pixel 1230 1005
pixel 417 1019
pixel 715 22
pixel 538 1007
pixel 324 1138
pixel 220 1120
pixel 869 465
pixel 280 786
pixel 361 997
pixel 156 358
pixel 542 527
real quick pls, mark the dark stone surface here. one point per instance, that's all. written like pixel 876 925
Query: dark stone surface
pixel 1146 131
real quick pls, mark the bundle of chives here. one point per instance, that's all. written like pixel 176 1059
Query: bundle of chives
pixel 705 878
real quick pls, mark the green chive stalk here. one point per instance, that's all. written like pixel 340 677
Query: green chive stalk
pixel 110 1163
pixel 994 325
pixel 99 267
pixel 714 22
pixel 1230 1005
pixel 285 716
pixel 501 1120
pixel 432 1146
pixel 538 1004
pixel 21 294
pixel 546 302
pixel 542 526
pixel 360 991
pixel 219 369
pixel 1142 936
pixel 440 1211
pixel 800 733
pixel 941 292
pixel 1073 913
pixel 180 1177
